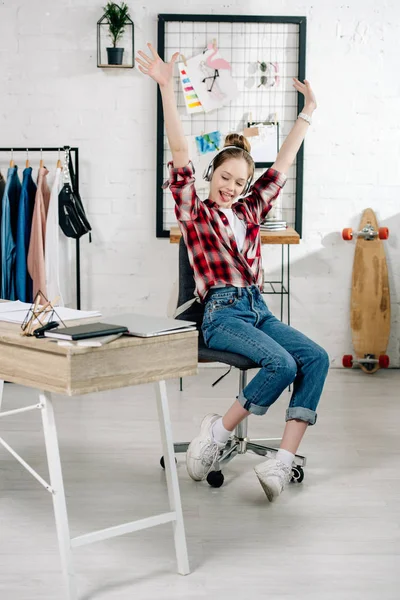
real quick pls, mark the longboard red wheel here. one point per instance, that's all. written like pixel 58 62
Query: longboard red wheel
pixel 347 234
pixel 383 233
pixel 347 361
pixel 384 361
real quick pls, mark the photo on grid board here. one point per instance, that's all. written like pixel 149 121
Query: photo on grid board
pixel 211 77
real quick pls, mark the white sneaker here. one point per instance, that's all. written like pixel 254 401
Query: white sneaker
pixel 203 451
pixel 273 475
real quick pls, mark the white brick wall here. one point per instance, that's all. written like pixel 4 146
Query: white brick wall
pixel 52 93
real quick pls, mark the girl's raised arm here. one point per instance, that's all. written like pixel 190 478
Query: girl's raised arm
pixel 291 145
pixel 162 73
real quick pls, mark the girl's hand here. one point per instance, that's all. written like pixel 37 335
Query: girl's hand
pixel 305 89
pixel 156 68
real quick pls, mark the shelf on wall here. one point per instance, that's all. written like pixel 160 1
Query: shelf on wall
pixel 116 66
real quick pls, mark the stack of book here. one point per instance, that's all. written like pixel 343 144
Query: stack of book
pixel 89 335
pixel 273 225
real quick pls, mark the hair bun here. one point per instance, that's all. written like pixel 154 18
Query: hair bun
pixel 236 139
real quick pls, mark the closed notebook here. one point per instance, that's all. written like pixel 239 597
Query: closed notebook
pixel 92 342
pixel 82 332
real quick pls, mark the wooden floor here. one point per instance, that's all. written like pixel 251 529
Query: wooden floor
pixel 336 536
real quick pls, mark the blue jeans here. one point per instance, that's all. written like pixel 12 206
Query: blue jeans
pixel 238 320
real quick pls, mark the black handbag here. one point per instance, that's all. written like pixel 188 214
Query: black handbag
pixel 71 214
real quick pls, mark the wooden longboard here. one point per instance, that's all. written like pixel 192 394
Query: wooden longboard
pixel 370 296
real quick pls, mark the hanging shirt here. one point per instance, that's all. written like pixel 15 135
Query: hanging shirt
pixel 238 227
pixel 2 188
pixel 9 217
pixel 36 264
pixel 23 281
pixel 212 247
pixel 52 249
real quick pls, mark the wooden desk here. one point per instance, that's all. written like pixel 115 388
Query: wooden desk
pixel 48 367
pixel 286 236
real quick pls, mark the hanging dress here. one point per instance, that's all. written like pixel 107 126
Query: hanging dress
pixel 36 264
pixel 52 245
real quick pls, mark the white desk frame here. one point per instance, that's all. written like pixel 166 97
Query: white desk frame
pixel 56 485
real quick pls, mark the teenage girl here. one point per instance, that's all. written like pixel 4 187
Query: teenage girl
pixel 222 235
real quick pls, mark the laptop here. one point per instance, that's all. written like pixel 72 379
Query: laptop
pixel 148 326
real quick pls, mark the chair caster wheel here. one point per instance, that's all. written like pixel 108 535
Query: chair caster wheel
pixel 215 479
pixel 297 474
pixel 162 462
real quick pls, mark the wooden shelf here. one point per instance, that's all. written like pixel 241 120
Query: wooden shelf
pixel 285 236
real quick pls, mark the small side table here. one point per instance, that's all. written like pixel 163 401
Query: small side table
pixel 285 237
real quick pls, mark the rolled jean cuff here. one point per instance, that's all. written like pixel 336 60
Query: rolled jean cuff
pixel 254 409
pixel 301 414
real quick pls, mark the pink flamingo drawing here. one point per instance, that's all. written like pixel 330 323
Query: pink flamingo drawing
pixel 215 63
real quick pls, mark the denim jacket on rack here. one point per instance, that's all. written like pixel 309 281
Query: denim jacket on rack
pixel 23 281
pixel 2 188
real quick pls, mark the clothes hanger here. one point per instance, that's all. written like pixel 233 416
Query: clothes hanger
pixel 12 163
pixel 41 164
pixel 27 163
pixel 59 163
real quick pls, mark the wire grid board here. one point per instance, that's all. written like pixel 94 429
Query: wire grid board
pixel 244 45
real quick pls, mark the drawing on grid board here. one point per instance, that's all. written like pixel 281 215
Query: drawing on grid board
pixel 211 81
pixel 214 63
pixel 215 87
pixel 264 141
pixel 192 102
pixel 209 142
pixel 202 148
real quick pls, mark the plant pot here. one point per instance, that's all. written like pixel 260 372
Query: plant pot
pixel 115 56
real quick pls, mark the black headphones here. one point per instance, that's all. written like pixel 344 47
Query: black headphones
pixel 208 172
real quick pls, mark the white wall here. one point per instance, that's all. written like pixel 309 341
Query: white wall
pixel 52 93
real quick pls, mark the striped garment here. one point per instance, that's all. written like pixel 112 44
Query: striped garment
pixel 211 244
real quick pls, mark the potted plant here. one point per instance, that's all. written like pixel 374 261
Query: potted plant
pixel 116 16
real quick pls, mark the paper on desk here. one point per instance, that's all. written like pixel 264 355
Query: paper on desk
pixel 69 314
pixel 13 306
pixel 15 312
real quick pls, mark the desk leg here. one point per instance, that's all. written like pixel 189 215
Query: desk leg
pixel 59 503
pixel 172 477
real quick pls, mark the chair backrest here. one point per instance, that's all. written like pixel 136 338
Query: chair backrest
pixel 196 313
pixel 187 288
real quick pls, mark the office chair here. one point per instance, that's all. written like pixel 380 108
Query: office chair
pixel 239 443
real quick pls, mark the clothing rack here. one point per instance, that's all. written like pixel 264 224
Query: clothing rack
pixel 75 158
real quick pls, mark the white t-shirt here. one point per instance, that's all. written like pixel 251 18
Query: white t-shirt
pixel 237 225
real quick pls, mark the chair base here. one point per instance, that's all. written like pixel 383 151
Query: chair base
pixel 240 443
pixel 262 447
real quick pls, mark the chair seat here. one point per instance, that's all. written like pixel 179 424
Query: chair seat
pixel 228 358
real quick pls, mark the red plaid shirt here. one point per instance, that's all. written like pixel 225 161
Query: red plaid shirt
pixel 211 244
